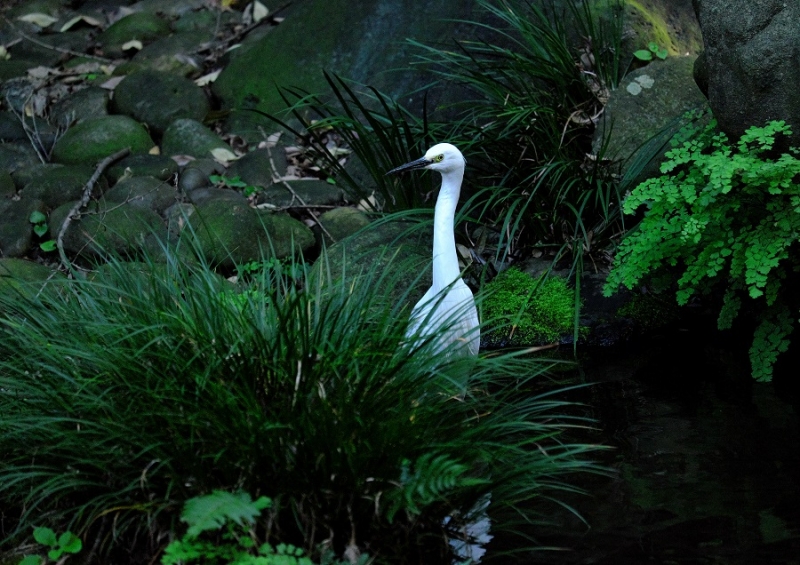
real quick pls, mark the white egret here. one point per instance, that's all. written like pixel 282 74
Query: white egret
pixel 449 302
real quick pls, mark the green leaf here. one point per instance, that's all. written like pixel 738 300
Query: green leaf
pixel 662 54
pixel 212 511
pixel 37 217
pixel 40 229
pixel 653 47
pixel 45 536
pixel 70 543
pixel 643 55
pixel 48 246
pixel 31 560
pixel 330 180
pixel 54 554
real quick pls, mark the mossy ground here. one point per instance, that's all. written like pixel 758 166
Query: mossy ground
pixel 523 310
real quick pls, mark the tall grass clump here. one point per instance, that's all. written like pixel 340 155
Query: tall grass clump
pixel 539 80
pixel 124 396
pixel 380 133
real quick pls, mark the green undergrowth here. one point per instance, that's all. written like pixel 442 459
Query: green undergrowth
pixel 723 221
pixel 126 395
pixel 528 310
pixel 650 311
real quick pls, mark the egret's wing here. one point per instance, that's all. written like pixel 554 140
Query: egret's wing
pixel 459 312
pixel 421 313
pixel 452 315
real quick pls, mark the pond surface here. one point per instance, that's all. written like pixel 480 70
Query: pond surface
pixel 707 461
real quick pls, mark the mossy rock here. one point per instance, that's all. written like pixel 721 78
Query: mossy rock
pixel 158 99
pixel 93 140
pixel 401 250
pixel 58 185
pixel 143 26
pixel 156 166
pixel 7 187
pixel 110 229
pixel 17 155
pixel 190 137
pixel 81 105
pixel 358 43
pixel 20 275
pixel 339 224
pixel 231 233
pixel 161 54
pixel 143 192
pixel 16 230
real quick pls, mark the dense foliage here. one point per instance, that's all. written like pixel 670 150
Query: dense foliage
pixel 537 82
pixel 725 217
pixel 124 396
pixel 532 93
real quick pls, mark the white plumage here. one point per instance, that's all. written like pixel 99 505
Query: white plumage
pixel 448 302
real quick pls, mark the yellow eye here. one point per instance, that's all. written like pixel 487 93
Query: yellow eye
pixel 438 159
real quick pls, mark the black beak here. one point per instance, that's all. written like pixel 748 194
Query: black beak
pixel 420 163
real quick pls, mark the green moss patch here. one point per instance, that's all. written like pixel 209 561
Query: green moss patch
pixel 523 310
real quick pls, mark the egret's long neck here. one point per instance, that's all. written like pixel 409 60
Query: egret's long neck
pixel 445 260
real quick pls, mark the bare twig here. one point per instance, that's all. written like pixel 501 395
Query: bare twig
pixel 27 37
pixel 87 194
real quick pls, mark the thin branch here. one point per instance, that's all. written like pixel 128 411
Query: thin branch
pixel 74 213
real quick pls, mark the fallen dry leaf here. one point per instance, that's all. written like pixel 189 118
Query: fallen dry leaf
pixel 132 44
pixel 41 20
pixel 207 79
pixel 112 83
pixel 223 155
pixel 86 19
pixel 259 11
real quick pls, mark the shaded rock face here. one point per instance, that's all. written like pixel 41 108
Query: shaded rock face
pixel 649 100
pixel 363 41
pixel 751 54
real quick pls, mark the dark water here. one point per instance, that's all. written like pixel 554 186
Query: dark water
pixel 707 461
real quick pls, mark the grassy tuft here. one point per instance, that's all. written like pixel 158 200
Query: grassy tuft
pixel 124 396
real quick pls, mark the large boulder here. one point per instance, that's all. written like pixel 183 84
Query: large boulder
pixel 361 40
pixel 649 102
pixel 751 54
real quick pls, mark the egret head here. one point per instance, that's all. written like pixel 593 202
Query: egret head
pixel 442 157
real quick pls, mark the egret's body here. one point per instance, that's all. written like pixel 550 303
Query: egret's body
pixel 448 303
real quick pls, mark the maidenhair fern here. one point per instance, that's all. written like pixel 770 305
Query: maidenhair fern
pixel 723 216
